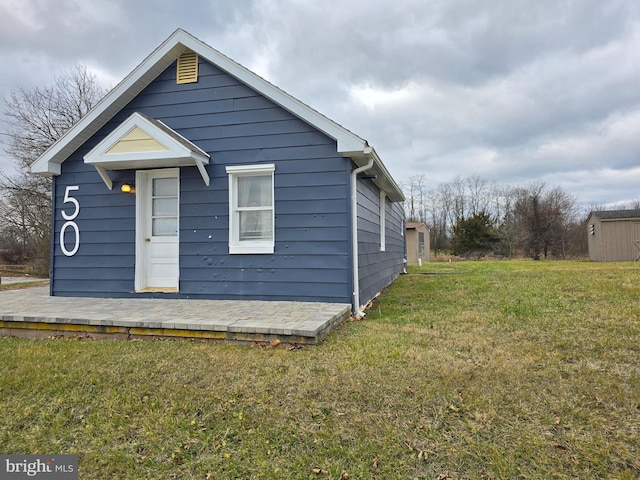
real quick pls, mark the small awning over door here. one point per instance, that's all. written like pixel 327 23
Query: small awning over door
pixel 142 142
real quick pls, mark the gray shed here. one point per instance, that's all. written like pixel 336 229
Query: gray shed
pixel 614 236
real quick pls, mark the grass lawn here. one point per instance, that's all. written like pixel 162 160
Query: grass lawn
pixel 28 284
pixel 482 370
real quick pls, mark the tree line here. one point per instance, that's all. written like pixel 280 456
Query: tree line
pixel 35 118
pixel 471 216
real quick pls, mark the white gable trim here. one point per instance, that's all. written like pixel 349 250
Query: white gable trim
pixel 176 152
pixel 49 162
pixel 348 143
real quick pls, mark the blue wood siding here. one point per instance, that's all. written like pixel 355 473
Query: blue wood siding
pixel 236 126
pixel 377 268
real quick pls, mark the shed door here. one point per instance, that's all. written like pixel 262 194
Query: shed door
pixel 157 227
pixel 635 229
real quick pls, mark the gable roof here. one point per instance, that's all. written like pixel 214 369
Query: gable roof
pixel 142 142
pixel 615 214
pixel 179 42
pixel 414 225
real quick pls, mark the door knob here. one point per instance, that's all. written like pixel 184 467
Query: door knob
pixel 147 240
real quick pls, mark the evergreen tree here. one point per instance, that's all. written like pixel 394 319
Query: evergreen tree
pixel 474 235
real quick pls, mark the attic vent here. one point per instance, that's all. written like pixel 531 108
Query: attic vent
pixel 187 71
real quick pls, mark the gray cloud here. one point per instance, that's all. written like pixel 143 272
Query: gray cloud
pixel 514 91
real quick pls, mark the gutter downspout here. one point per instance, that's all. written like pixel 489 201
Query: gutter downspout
pixel 354 233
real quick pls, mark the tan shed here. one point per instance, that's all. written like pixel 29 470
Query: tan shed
pixel 614 236
pixel 418 242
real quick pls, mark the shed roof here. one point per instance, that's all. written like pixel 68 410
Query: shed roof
pixel 616 214
pixel 413 225
pixel 348 144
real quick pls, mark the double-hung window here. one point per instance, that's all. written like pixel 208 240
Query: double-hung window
pixel 251 213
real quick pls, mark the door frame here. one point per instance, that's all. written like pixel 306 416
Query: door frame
pixel 143 186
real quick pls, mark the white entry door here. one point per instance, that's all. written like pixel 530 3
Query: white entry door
pixel 157 227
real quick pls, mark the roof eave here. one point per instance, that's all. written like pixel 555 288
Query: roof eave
pixel 625 214
pixel 49 162
pixel 348 143
pixel 383 178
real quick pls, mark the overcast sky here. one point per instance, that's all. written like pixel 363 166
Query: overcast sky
pixel 515 91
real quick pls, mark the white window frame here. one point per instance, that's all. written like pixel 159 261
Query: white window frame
pixel 237 246
pixel 383 221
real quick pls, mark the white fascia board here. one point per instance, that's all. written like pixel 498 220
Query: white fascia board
pixel 175 149
pixel 348 143
pixel 126 161
pixel 383 179
pixel 49 162
pixel 394 191
pixel 194 150
pixel 257 168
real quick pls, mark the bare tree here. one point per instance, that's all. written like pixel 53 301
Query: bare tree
pixel 25 218
pixel 533 220
pixel 543 216
pixel 415 198
pixel 479 193
pixel 409 200
pixel 505 222
pixel 459 197
pixel 36 117
pixel 436 209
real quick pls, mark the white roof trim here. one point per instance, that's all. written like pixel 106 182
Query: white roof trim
pixel 348 143
pixel 257 168
pixel 179 151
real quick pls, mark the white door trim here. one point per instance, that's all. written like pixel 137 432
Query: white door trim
pixel 143 207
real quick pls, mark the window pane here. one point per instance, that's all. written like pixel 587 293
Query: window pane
pixel 165 207
pixel 164 227
pixel 165 187
pixel 256 225
pixel 254 191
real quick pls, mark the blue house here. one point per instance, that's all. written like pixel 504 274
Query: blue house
pixel 196 178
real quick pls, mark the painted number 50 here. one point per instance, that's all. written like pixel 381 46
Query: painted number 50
pixel 70 217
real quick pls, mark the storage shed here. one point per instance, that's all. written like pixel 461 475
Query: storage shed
pixel 196 178
pixel 418 242
pixel 614 236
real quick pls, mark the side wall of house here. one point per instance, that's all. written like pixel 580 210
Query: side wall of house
pixel 378 268
pixel 236 126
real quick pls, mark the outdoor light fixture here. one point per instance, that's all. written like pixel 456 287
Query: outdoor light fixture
pixel 128 188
